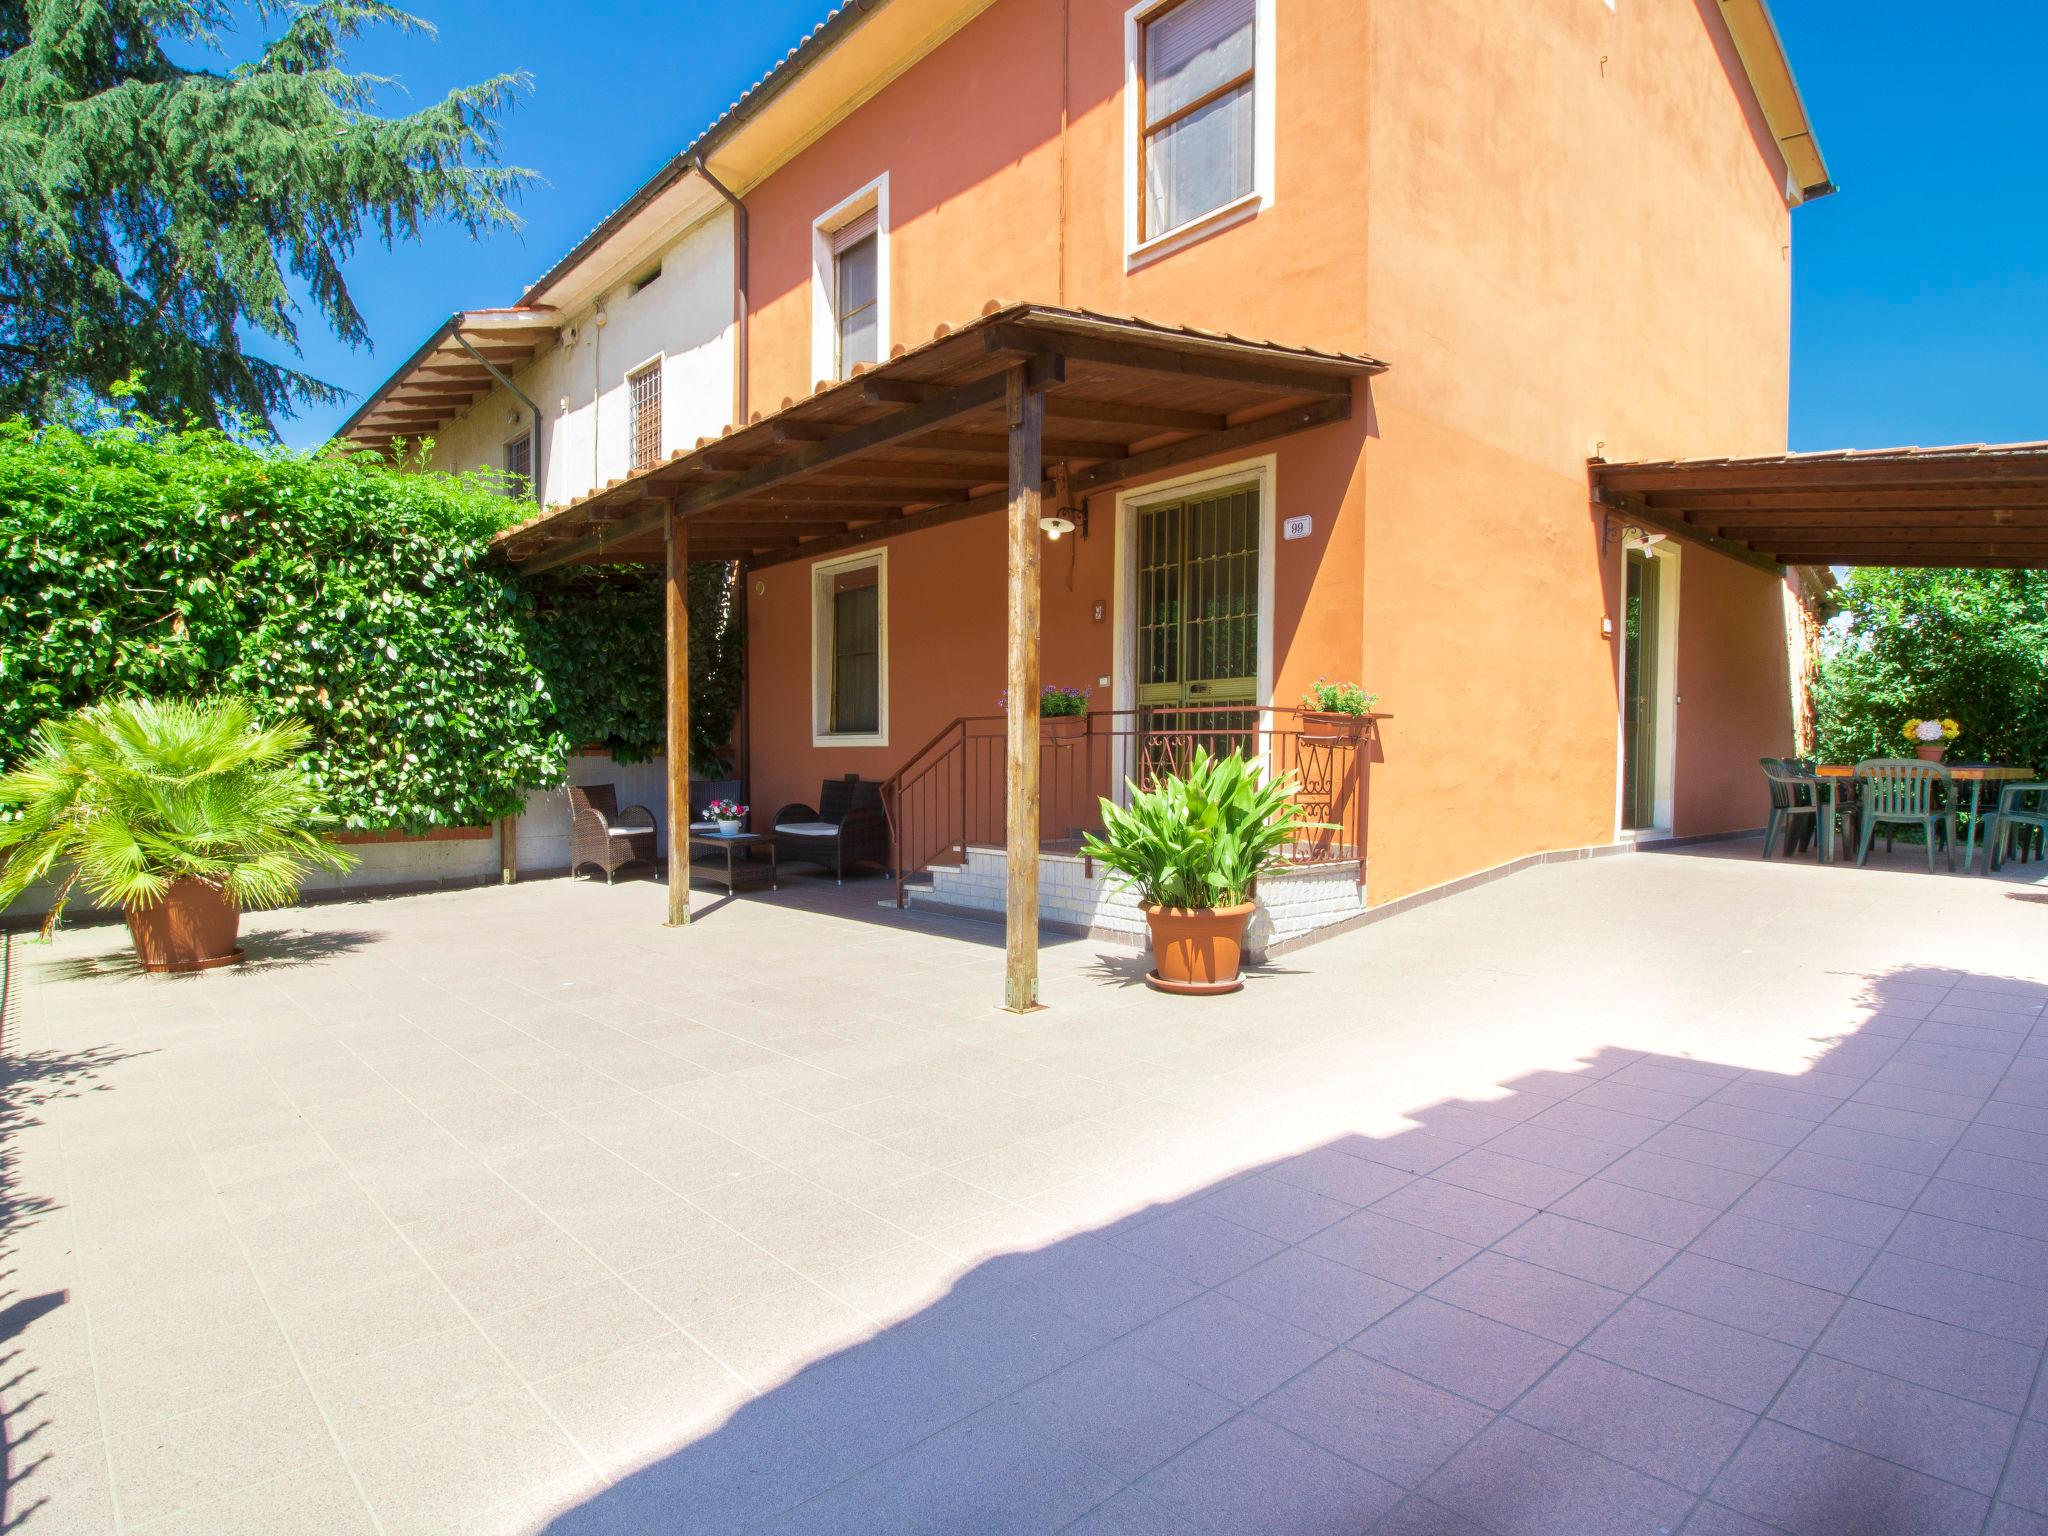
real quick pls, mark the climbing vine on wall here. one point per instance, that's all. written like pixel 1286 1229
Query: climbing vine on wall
pixel 355 594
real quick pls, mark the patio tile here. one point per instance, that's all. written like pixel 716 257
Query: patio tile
pixel 449 1472
pixel 1743 1298
pixel 216 1450
pixel 1330 1300
pixel 1251 1477
pixel 64 1490
pixel 1921 1099
pixel 1715 1148
pixel 1857 1180
pixel 641 1402
pixel 1811 1487
pixel 1849 1145
pixel 707 1278
pixel 572 1327
pixel 2008 1211
pixel 762 1336
pixel 2026 1482
pixel 371 1396
pixel 1461 1213
pixel 1633 1099
pixel 321 1497
pixel 1962 1245
pixel 1809 1210
pixel 1926 1130
pixel 1385 1420
pixel 522 1274
pixel 1198 1246
pixel 1658 1218
pixel 1506 1178
pixel 1123 1412
pixel 1107 1288
pixel 1577 1118
pixel 1233 1350
pixel 1741 1369
pixel 1696 1183
pixel 2011 1520
pixel 1273 1206
pixel 1824 1262
pixel 145 1378
pixel 1943 1436
pixel 1599 1254
pixel 1393 1250
pixel 1413 1152
pixel 2014 1312
pixel 1518 1481
pixel 1955 1360
pixel 1648 1425
pixel 1540 1301
pixel 379 1317
pixel 1459 1351
pixel 1556 1148
pixel 1780 1100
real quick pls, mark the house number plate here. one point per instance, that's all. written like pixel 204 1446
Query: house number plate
pixel 1297 527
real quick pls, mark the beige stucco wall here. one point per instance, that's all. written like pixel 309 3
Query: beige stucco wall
pixel 684 318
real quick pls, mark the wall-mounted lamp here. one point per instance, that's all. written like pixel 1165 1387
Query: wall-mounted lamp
pixel 1064 520
pixel 1643 539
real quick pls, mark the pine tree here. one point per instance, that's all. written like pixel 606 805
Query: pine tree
pixel 150 214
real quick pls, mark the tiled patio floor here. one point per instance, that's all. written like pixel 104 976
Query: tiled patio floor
pixel 1648 1194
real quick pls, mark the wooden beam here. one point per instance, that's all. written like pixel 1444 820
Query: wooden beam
pixel 508 849
pixel 814 459
pixel 1298 418
pixel 1252 371
pixel 678 652
pixel 1929 519
pixel 1116 412
pixel 1054 447
pixel 891 527
pixel 1908 498
pixel 1630 509
pixel 1025 400
pixel 897 391
pixel 1960 470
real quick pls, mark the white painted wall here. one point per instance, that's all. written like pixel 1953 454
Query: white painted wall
pixel 684 317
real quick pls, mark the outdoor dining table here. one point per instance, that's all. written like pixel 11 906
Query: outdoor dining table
pixel 1976 775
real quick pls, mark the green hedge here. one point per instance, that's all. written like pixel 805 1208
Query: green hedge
pixel 1971 645
pixel 354 594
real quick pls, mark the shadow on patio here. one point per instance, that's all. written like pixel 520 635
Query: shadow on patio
pixel 1649 1291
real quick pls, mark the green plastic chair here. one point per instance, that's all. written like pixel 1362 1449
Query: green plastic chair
pixel 2021 818
pixel 1899 791
pixel 1795 805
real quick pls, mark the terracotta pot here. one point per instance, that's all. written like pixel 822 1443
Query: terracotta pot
pixel 1064 727
pixel 1197 949
pixel 1930 751
pixel 1328 725
pixel 192 929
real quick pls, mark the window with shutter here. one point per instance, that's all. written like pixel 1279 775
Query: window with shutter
pixel 856 290
pixel 644 390
pixel 1197 113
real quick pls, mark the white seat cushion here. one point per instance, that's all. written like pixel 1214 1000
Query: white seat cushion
pixel 703 826
pixel 629 831
pixel 809 828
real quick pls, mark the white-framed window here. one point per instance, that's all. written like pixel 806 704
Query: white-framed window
pixel 519 464
pixel 850 651
pixel 850 283
pixel 643 400
pixel 1200 82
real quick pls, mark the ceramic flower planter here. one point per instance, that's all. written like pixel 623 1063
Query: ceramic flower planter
pixel 1930 751
pixel 1197 950
pixel 729 828
pixel 192 929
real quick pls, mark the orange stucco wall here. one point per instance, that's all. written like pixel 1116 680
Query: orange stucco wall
pixel 1562 226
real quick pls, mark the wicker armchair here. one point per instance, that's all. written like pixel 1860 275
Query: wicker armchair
pixel 846 827
pixel 602 834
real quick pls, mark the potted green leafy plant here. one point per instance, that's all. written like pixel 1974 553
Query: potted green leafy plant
pixel 1337 707
pixel 182 812
pixel 1193 847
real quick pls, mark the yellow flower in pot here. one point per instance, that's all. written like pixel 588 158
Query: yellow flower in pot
pixel 1193 847
pixel 181 812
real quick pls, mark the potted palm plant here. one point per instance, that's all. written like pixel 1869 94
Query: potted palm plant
pixel 1193 847
pixel 181 812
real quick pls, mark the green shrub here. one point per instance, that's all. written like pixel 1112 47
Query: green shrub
pixel 1929 644
pixel 345 591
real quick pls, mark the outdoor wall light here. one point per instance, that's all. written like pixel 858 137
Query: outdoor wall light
pixel 1064 520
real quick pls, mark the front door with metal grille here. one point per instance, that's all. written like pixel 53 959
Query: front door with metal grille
pixel 1198 624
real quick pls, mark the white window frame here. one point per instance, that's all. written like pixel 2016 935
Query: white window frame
pixel 1265 89
pixel 824 291
pixel 822 574
pixel 1669 555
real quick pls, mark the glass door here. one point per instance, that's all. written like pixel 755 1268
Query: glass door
pixel 1198 625
pixel 1641 625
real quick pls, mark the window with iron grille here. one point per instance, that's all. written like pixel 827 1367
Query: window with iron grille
pixel 519 465
pixel 1196 111
pixel 644 386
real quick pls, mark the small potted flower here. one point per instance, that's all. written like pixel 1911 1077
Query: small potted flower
pixel 729 816
pixel 1067 707
pixel 1930 738
pixel 1338 707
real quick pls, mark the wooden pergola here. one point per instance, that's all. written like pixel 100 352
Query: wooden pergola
pixel 1975 506
pixel 1023 403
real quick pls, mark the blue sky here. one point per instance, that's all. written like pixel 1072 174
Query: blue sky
pixel 1920 290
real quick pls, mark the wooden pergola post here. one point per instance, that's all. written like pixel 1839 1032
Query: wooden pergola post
pixel 678 542
pixel 1026 400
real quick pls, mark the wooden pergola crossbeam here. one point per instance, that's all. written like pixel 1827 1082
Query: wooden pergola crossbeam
pixel 1977 506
